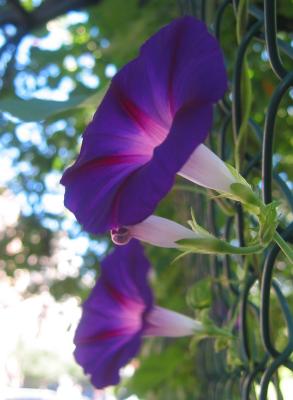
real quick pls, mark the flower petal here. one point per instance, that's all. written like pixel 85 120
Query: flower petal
pixel 126 270
pixel 113 318
pixel 104 360
pixel 157 110
pixel 161 232
pixel 164 322
pixel 206 169
pixel 184 64
pixel 144 189
pixel 91 191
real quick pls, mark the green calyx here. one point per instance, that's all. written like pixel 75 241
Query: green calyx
pixel 209 329
pixel 206 243
pixel 241 191
pixel 245 195
pixel 213 245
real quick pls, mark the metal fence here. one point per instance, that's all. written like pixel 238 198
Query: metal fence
pixel 256 23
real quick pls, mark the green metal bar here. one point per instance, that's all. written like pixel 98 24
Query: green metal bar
pixel 249 379
pixel 284 189
pixel 243 317
pixel 271 38
pixel 268 138
pixel 265 293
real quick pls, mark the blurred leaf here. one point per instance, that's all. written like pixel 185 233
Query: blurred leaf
pixel 68 286
pixel 155 369
pixel 199 295
pixel 27 4
pixel 38 110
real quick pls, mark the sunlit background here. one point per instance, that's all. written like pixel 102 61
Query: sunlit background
pixel 36 335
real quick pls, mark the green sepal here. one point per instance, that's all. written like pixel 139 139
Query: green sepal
pixel 241 191
pixel 268 221
pixel 203 245
pixel 221 343
pixel 209 329
pixel 185 253
pixel 245 195
pixel 213 245
pixel 238 177
pixel 197 228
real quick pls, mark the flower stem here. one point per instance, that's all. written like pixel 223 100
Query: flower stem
pixel 211 245
pixel 285 247
pixel 243 250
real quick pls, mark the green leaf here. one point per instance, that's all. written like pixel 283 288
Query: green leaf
pixel 39 110
pixel 221 343
pixel 36 109
pixel 197 228
pixel 199 295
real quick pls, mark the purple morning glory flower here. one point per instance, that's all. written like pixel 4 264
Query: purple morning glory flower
pixel 150 126
pixel 119 311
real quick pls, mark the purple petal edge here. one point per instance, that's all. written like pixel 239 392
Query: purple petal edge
pixel 114 315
